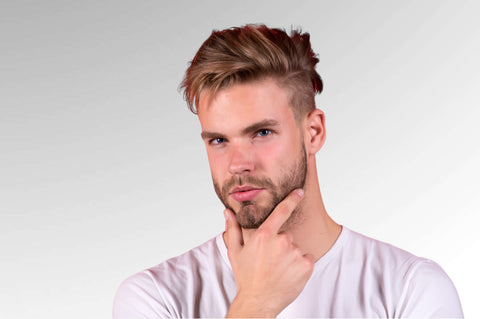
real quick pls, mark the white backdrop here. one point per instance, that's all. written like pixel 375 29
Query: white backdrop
pixel 103 172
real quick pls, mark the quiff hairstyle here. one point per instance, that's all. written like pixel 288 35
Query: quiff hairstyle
pixel 251 53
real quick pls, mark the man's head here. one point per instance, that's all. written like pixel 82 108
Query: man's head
pixel 254 52
pixel 253 89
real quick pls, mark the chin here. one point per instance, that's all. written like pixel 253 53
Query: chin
pixel 251 216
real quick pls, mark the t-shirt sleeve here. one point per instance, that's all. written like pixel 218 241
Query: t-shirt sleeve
pixel 138 297
pixel 429 293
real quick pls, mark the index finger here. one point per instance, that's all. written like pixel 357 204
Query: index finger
pixel 282 212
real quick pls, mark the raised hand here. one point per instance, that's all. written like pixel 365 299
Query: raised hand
pixel 270 271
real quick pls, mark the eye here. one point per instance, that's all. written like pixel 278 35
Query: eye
pixel 264 132
pixel 216 141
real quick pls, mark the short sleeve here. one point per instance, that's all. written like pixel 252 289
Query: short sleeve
pixel 429 293
pixel 138 297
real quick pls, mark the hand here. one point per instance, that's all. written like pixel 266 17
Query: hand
pixel 270 271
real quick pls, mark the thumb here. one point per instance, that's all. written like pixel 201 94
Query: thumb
pixel 233 231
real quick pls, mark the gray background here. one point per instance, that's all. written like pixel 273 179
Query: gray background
pixel 103 172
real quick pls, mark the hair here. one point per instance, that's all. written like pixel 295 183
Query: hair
pixel 252 53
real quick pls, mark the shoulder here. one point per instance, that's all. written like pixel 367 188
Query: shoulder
pixel 419 287
pixel 189 267
pixel 382 257
pixel 154 292
pixel 138 297
pixel 362 246
pixel 429 292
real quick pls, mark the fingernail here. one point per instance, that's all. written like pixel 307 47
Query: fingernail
pixel 300 192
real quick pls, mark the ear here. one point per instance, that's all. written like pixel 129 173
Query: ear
pixel 314 133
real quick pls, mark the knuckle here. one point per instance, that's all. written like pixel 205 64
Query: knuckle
pixel 307 265
pixel 284 211
pixel 284 240
pixel 286 236
pixel 298 253
pixel 263 234
pixel 290 203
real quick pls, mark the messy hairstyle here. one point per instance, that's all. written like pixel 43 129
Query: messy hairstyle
pixel 251 53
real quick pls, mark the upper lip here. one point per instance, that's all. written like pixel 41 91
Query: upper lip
pixel 243 188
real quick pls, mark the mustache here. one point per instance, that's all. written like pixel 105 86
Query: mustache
pixel 249 180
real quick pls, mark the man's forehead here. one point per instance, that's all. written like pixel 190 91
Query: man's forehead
pixel 208 96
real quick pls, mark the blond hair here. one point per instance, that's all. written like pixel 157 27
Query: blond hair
pixel 251 53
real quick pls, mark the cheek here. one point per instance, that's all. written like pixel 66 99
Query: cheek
pixel 279 156
pixel 268 160
pixel 217 163
pixel 275 152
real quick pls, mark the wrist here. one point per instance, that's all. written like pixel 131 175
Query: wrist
pixel 248 308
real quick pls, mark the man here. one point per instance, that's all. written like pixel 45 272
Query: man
pixel 281 254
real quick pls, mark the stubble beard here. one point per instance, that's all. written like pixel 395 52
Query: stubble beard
pixel 251 214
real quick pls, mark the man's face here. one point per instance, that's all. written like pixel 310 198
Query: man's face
pixel 255 148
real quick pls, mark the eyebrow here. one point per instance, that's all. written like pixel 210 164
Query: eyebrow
pixel 249 129
pixel 259 125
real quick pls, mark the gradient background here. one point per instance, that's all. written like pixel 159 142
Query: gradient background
pixel 103 172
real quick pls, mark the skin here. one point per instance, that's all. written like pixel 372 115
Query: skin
pixel 251 136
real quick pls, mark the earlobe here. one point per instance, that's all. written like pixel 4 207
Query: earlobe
pixel 315 131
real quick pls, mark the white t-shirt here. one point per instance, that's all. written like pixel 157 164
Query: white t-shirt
pixel 358 277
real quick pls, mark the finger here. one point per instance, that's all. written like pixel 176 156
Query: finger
pixel 233 231
pixel 282 211
pixel 310 257
pixel 309 263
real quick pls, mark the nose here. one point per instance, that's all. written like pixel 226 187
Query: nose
pixel 240 159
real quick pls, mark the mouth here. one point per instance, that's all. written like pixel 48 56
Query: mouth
pixel 245 193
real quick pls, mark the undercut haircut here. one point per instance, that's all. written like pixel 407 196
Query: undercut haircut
pixel 252 53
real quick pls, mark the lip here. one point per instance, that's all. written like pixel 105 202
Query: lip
pixel 245 193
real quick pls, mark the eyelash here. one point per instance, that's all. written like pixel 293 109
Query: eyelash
pixel 263 130
pixel 212 141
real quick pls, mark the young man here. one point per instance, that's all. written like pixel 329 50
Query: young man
pixel 281 254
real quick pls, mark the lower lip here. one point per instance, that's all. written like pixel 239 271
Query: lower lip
pixel 244 196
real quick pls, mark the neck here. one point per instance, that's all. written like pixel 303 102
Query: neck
pixel 313 231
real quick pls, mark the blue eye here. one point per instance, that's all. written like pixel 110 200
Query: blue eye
pixel 264 132
pixel 217 141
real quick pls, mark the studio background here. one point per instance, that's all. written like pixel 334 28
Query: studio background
pixel 103 172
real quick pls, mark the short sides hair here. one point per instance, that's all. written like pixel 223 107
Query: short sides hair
pixel 255 52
